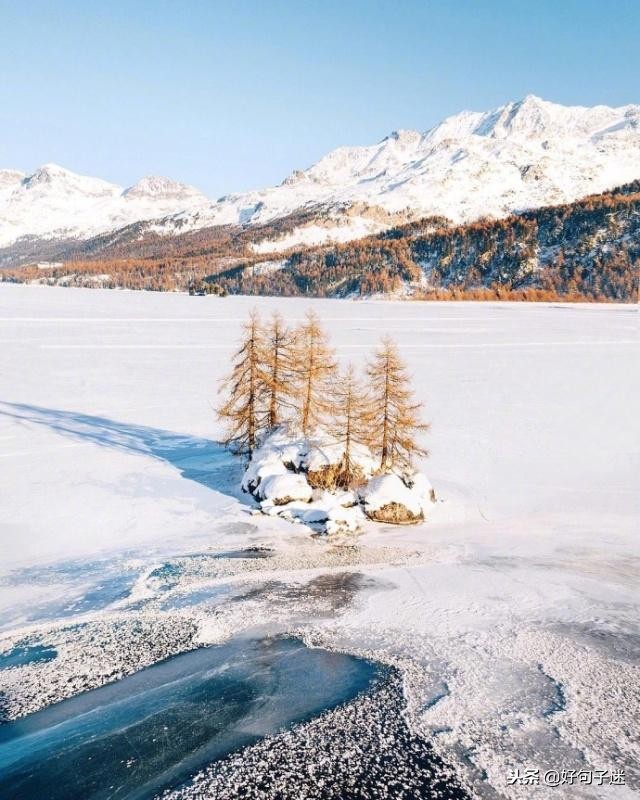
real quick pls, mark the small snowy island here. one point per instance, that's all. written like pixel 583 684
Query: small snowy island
pixel 322 446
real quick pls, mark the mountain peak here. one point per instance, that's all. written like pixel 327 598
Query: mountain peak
pixel 157 186
pixel 533 100
pixel 56 181
pixel 47 173
pixel 529 115
pixel 520 155
pixel 403 136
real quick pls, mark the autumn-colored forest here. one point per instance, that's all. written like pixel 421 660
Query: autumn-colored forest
pixel 588 250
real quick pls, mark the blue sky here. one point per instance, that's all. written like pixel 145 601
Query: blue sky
pixel 231 95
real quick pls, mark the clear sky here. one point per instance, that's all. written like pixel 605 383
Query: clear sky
pixel 231 95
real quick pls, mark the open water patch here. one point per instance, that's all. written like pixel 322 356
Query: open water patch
pixel 20 656
pixel 153 730
pixel 207 596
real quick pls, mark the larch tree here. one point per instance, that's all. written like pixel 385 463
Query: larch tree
pixel 350 422
pixel 245 387
pixel 315 365
pixel 396 423
pixel 278 368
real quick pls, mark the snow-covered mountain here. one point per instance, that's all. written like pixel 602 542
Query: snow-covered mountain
pixel 523 155
pixel 54 203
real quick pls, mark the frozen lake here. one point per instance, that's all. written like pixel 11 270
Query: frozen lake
pixel 531 406
pixel 517 619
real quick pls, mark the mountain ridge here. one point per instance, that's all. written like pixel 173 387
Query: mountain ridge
pixel 522 155
pixel 55 203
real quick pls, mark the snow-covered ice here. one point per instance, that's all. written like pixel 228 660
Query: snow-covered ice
pixel 512 612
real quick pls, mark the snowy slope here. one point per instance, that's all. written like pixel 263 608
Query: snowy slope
pixel 522 155
pixel 56 203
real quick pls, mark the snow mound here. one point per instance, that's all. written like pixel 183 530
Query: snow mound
pixel 278 454
pixel 421 486
pixel 387 498
pixel 283 489
pixel 324 452
pixel 294 477
pixel 324 458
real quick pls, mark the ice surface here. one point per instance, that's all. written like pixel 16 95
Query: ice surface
pixel 516 624
pixel 154 729
pixel 19 656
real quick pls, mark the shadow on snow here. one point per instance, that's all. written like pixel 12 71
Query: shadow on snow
pixel 197 459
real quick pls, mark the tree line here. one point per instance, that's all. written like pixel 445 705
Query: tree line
pixel 588 250
pixel 282 374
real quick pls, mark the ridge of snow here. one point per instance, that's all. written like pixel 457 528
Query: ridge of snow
pixel 157 186
pixel 10 178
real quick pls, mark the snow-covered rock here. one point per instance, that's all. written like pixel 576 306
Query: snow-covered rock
pixel 285 488
pixel 324 457
pixel 290 476
pixel 332 516
pixel 261 467
pixel 386 498
pixel 279 453
pixel 421 485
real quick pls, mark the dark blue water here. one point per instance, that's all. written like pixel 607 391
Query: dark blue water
pixel 154 729
pixel 29 654
pixel 167 575
pixel 247 552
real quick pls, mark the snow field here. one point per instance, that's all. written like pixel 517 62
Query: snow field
pixel 516 626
